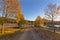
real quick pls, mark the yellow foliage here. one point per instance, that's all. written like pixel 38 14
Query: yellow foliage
pixel 39 21
pixel 26 22
pixel 16 8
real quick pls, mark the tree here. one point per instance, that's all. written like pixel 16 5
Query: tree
pixel 26 22
pixel 21 22
pixel 51 13
pixel 39 21
pixel 10 9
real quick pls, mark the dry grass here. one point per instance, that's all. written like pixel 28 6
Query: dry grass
pixel 8 31
pixel 48 35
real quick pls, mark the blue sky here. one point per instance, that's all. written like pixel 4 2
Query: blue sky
pixel 33 8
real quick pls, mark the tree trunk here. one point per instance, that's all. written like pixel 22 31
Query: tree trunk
pixel 3 28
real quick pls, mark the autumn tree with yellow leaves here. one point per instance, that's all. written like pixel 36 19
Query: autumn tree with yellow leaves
pixel 10 9
pixel 21 21
pixel 27 22
pixel 39 21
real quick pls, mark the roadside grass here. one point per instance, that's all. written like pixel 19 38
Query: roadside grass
pixel 48 30
pixel 8 31
pixel 50 35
